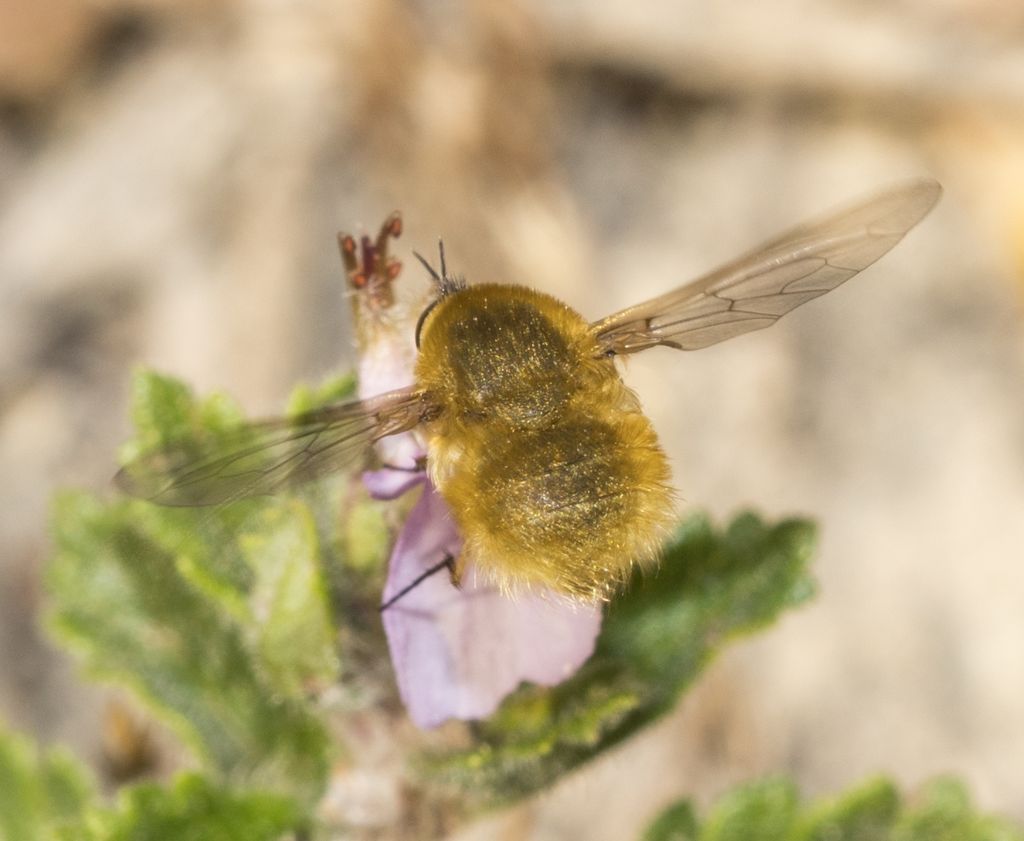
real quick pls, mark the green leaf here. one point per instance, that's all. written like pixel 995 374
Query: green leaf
pixel 366 535
pixel 677 823
pixel 295 635
pixel 657 637
pixel 764 811
pixel 173 604
pixel 165 412
pixel 195 809
pixel 130 607
pixel 42 796
pixel 944 813
pixel 305 398
pixel 769 810
pixel 48 796
pixel 866 813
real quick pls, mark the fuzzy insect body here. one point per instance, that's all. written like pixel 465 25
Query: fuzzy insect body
pixel 552 472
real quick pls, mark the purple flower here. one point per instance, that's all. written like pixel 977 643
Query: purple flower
pixel 456 651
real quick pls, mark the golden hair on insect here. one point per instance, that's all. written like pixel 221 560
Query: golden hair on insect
pixel 551 471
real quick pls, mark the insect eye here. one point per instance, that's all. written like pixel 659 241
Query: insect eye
pixel 423 318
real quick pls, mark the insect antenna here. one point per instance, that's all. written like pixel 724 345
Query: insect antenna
pixel 447 563
pixel 446 283
pixel 430 268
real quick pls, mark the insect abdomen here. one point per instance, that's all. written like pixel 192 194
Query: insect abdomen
pixel 572 506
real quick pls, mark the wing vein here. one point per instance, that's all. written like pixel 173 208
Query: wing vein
pixel 759 288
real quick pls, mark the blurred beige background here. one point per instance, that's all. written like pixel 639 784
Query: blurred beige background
pixel 172 175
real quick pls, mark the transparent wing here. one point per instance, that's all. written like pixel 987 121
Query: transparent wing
pixel 267 457
pixel 756 290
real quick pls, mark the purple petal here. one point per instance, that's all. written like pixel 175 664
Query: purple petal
pixel 386 359
pixel 458 652
pixel 402 450
pixel 388 483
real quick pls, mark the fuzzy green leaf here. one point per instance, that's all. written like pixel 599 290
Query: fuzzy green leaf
pixel 944 813
pixel 295 634
pixel 194 808
pixel 42 796
pixel 50 797
pixel 164 411
pixel 657 637
pixel 335 390
pixel 128 603
pixel 866 813
pixel 764 811
pixel 769 810
pixel 677 823
pixel 217 618
pixel 366 535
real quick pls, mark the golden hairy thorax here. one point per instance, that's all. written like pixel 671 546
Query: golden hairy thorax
pixel 552 472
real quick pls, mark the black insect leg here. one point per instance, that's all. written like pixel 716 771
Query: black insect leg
pixel 448 563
